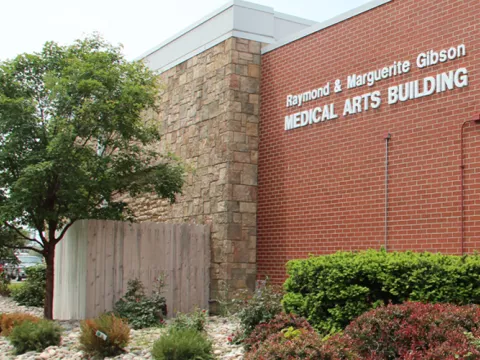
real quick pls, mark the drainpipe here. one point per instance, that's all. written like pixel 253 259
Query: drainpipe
pixel 476 120
pixel 387 138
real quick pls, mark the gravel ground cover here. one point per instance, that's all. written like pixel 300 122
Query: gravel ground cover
pixel 218 329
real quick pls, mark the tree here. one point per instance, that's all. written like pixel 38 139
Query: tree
pixel 76 132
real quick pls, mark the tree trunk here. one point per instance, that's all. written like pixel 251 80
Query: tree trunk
pixel 50 258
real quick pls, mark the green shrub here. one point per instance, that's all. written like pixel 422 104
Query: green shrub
pixel 15 286
pixel 330 291
pixel 32 292
pixel 195 320
pixel 4 284
pixel 140 310
pixel 264 305
pixel 117 334
pixel 184 344
pixel 30 336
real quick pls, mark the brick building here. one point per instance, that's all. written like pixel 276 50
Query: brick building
pixel 306 138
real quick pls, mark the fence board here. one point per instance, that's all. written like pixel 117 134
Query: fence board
pixel 97 258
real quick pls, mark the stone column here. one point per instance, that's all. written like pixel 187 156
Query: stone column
pixel 209 113
pixel 234 237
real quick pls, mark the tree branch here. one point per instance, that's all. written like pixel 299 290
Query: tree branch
pixel 23 247
pixel 110 137
pixel 40 232
pixel 19 232
pixel 64 230
pixel 86 141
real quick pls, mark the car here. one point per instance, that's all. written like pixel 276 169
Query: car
pixel 24 261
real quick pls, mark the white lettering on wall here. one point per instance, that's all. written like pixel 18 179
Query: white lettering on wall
pixel 309 117
pixel 431 57
pixel 372 77
pixel 443 82
pixel 362 103
pixel 300 99
pixel 430 85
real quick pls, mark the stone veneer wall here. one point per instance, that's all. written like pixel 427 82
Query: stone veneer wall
pixel 209 118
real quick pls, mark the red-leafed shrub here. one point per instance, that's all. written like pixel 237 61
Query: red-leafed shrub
pixel 413 331
pixel 277 324
pixel 9 321
pixel 303 344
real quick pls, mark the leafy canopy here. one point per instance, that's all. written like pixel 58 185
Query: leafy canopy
pixel 75 135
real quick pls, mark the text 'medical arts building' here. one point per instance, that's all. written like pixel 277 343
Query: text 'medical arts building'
pixel 308 138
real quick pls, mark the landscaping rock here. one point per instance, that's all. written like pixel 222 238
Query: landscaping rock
pixel 141 341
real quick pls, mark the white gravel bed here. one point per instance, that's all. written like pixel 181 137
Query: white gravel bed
pixel 141 341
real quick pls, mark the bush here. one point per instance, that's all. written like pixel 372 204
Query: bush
pixel 35 336
pixel 32 292
pixel 264 305
pixel 15 286
pixel 276 325
pixel 330 291
pixel 414 331
pixel 4 284
pixel 298 344
pixel 196 320
pixel 117 334
pixel 184 344
pixel 139 310
pixel 9 321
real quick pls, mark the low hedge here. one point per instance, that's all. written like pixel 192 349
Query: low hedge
pixel 332 290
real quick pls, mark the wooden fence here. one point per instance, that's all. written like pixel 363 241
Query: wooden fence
pixel 96 259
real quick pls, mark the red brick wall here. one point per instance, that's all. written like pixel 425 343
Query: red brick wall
pixel 321 187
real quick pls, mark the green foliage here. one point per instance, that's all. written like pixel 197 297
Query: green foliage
pixel 7 255
pixel 195 320
pixel 291 333
pixel 183 344
pixel 77 131
pixel 140 310
pixel 116 330
pixel 30 336
pixel 14 286
pixel 332 290
pixel 262 307
pixel 474 341
pixel 32 291
pixel 4 284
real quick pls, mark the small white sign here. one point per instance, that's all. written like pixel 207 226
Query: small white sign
pixel 101 335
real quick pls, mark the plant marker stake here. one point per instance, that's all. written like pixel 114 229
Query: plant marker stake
pixel 101 335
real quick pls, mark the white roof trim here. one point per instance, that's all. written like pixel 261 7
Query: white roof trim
pixel 315 28
pixel 187 29
pixel 292 18
pixel 196 24
pixel 192 53
pixel 237 18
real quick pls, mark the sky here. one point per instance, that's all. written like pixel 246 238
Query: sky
pixel 138 25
